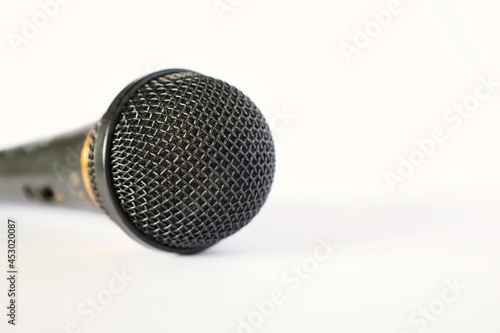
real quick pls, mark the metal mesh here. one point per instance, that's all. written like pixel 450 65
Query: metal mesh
pixel 192 160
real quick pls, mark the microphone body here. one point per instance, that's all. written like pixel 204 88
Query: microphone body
pixel 179 161
pixel 48 171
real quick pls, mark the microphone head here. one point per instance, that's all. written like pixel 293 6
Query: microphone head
pixel 181 160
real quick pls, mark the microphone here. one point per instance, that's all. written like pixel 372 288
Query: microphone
pixel 179 161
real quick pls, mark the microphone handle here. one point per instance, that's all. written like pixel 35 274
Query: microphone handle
pixel 50 171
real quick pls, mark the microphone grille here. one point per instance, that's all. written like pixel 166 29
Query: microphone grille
pixel 192 160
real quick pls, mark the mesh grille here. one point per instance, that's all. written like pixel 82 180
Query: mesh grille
pixel 192 160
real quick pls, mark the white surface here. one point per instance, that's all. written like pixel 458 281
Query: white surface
pixel 349 125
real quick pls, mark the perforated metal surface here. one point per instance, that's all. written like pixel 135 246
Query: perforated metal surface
pixel 192 160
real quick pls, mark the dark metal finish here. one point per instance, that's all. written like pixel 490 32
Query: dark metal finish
pixel 46 172
pixel 182 160
pixel 179 161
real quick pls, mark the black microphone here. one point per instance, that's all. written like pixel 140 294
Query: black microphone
pixel 179 161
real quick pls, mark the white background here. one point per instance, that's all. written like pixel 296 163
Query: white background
pixel 347 125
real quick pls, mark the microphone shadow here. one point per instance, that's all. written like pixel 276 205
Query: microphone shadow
pixel 280 229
